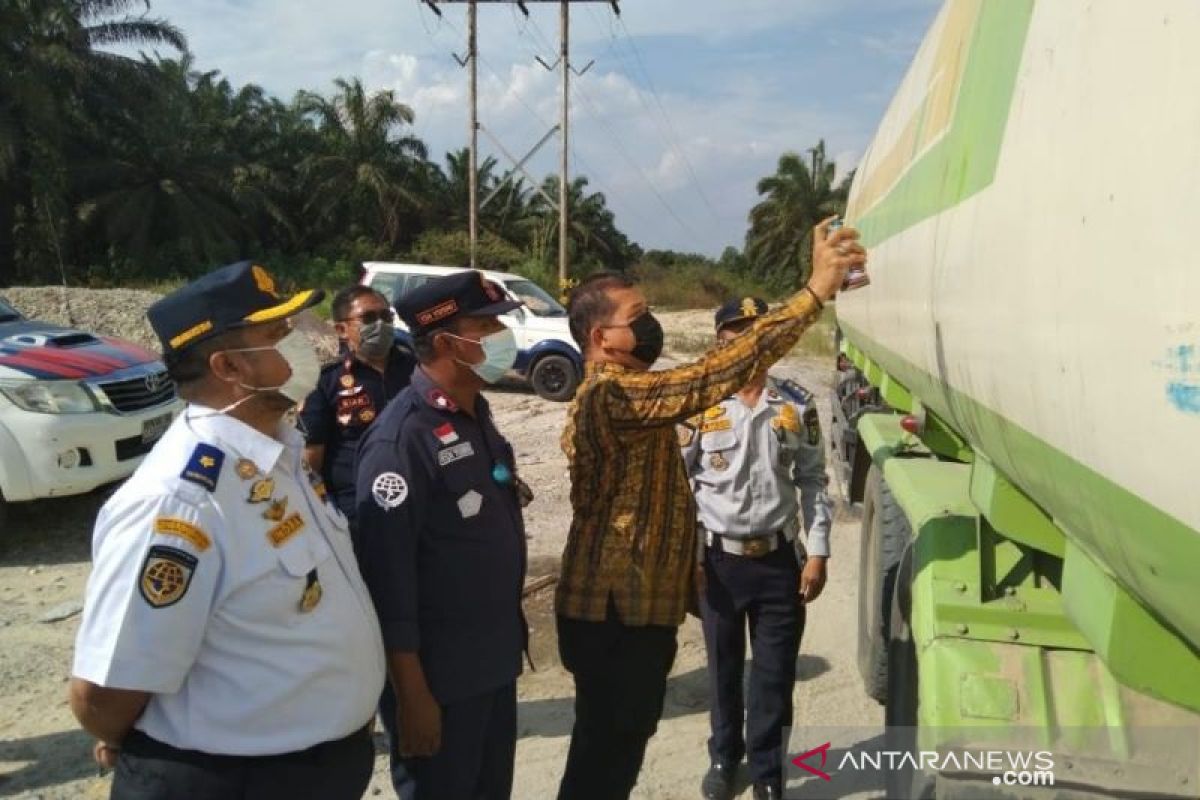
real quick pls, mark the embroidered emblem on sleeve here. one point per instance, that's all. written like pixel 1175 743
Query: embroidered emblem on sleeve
pixel 166 575
pixel 245 469
pixel 686 434
pixel 389 490
pixel 172 526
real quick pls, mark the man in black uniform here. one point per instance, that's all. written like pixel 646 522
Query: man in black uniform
pixel 352 391
pixel 370 370
pixel 442 545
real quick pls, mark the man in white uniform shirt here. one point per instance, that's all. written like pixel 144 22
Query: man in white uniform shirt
pixel 229 648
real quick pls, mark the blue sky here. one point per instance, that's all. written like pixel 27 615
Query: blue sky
pixel 689 102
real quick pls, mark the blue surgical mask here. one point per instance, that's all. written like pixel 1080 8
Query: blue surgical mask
pixel 499 354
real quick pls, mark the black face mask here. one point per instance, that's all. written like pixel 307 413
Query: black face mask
pixel 648 334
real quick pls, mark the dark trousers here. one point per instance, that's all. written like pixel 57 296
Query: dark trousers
pixel 148 769
pixel 479 744
pixel 620 681
pixel 402 780
pixel 765 592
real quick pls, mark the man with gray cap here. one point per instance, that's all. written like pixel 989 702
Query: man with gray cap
pixel 228 646
pixel 748 457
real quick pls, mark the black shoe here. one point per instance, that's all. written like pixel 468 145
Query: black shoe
pixel 718 783
pixel 768 791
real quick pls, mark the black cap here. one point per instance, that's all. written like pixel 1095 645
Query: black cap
pixel 460 294
pixel 738 310
pixel 233 296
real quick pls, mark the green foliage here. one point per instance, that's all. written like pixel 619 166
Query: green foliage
pixel 116 171
pixel 795 199
pixel 686 280
pixel 453 249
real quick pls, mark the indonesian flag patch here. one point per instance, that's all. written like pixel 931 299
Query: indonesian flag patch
pixel 446 434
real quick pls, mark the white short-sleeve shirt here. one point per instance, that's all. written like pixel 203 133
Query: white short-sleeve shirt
pixel 224 584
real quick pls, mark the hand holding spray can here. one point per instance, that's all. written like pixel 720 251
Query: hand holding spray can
pixel 857 277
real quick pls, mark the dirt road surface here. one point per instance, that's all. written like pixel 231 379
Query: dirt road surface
pixel 44 562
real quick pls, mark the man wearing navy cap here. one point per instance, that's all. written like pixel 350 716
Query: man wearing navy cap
pixel 442 544
pixel 756 463
pixel 228 646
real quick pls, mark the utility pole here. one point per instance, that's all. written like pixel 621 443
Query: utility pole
pixel 473 157
pixel 564 61
pixel 565 124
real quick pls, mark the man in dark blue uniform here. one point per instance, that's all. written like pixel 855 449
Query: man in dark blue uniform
pixel 442 544
pixel 370 370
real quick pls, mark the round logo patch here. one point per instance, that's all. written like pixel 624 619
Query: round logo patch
pixel 166 575
pixel 389 490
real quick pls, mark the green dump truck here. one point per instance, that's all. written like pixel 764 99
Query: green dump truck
pixel 1018 391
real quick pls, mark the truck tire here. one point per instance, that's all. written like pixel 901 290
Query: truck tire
pixel 554 377
pixel 900 714
pixel 885 534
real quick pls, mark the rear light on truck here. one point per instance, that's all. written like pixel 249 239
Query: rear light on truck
pixel 911 424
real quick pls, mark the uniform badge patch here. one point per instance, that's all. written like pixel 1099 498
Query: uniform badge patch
pixel 456 453
pixel 245 469
pixel 716 412
pixel 166 575
pixel 788 419
pixel 446 434
pixel 716 425
pixel 204 466
pixel 344 419
pixel 718 461
pixel 346 381
pixel 366 415
pixel 312 592
pixel 389 490
pixel 261 491
pixel 686 433
pixel 470 503
pixel 173 526
pixel 812 424
pixel 276 510
pixel 286 529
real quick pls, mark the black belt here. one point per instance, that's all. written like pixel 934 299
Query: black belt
pixel 138 743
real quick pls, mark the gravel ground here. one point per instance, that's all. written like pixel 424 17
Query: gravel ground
pixel 44 554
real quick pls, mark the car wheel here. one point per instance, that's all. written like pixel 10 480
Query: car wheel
pixel 555 378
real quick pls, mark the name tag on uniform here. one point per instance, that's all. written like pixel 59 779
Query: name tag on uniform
pixel 456 453
pixel 716 425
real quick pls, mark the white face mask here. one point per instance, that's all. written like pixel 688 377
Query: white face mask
pixel 300 357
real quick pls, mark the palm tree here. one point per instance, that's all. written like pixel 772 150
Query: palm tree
pixel 365 169
pixel 593 235
pixel 797 197
pixel 50 62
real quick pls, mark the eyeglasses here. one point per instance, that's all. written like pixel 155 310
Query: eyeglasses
pixel 370 317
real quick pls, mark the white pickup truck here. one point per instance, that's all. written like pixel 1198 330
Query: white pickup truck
pixel 77 410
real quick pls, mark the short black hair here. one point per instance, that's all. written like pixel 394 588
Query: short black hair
pixel 189 366
pixel 590 304
pixel 422 343
pixel 340 307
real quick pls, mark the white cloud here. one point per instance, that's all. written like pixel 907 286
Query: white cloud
pixel 727 128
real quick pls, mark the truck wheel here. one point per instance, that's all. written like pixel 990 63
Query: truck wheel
pixel 554 378
pixel 885 534
pixel 900 714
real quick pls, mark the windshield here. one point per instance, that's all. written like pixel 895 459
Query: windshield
pixel 7 312
pixel 536 299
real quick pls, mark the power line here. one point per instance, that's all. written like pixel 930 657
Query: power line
pixel 665 116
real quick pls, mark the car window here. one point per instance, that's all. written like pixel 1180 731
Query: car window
pixel 387 284
pixel 416 281
pixel 7 312
pixel 536 299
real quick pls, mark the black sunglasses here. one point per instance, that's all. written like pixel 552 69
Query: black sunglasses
pixel 369 317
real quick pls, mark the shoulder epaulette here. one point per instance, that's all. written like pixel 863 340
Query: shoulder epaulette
pixel 795 392
pixel 204 466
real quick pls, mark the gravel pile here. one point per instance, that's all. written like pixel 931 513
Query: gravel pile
pixel 110 312
pixel 122 313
